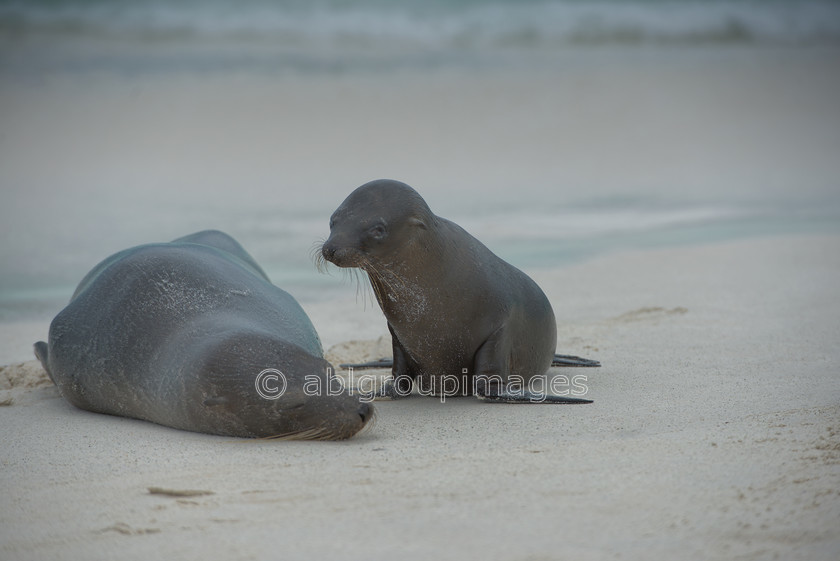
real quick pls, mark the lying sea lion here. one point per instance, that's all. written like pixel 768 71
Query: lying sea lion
pixel 192 334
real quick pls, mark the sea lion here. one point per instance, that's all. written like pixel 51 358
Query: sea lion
pixel 191 334
pixel 462 320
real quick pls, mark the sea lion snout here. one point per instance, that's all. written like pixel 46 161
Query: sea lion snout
pixel 328 251
pixel 338 255
pixel 365 412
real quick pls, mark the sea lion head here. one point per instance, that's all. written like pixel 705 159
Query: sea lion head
pixel 256 385
pixel 374 223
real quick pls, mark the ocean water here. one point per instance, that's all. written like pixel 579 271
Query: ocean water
pixel 433 23
pixel 344 35
pixel 86 198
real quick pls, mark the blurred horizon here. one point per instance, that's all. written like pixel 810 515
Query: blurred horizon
pixel 338 36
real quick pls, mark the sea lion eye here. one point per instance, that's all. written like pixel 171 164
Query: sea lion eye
pixel 377 232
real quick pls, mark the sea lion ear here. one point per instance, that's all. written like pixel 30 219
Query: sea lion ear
pixel 414 221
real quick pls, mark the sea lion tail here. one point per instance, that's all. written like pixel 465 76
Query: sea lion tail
pixel 42 353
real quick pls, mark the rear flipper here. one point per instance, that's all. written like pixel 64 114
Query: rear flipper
pixel 528 397
pixel 569 360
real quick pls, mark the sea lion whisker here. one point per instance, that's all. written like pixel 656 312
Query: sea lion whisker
pixel 327 435
pixel 390 278
pixel 363 285
pixel 349 275
pixel 308 434
pixel 384 279
pixel 360 288
pixel 380 284
pixel 316 253
pixel 367 287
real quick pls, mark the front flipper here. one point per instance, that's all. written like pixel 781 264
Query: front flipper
pixel 403 369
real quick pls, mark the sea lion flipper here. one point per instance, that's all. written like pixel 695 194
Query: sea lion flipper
pixel 529 397
pixel 569 360
pixel 385 362
pixel 403 369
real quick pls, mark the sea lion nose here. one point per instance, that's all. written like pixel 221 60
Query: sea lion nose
pixel 365 411
pixel 328 251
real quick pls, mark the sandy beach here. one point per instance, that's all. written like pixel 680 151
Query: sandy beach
pixel 715 434
pixel 678 204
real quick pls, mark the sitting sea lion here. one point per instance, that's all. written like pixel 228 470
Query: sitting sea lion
pixel 462 320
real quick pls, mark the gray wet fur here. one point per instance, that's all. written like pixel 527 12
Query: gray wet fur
pixel 454 309
pixel 176 333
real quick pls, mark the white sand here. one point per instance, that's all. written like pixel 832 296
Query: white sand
pixel 715 434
